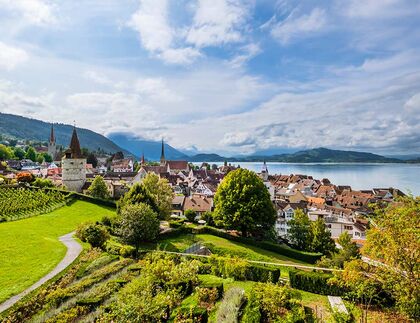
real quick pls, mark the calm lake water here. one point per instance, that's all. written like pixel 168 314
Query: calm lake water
pixel 406 177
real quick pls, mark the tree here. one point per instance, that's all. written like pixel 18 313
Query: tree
pixel 91 159
pixel 95 234
pixel 359 282
pixel 5 152
pixel 47 157
pixel 190 215
pixel 159 189
pixel 243 203
pixel 31 154
pixel 19 153
pixel 208 217
pixel 137 194
pixel 321 238
pixel 138 223
pixel 98 188
pixel 41 183
pixel 39 158
pixel 348 251
pixel 395 242
pixel 300 233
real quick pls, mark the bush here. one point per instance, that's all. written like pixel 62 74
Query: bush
pixel 191 314
pixel 190 215
pixel 127 251
pixel 231 304
pixel 239 269
pixel 176 224
pixel 217 286
pixel 95 234
pixel 314 282
pixel 207 297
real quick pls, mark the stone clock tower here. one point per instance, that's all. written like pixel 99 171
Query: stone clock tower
pixel 74 165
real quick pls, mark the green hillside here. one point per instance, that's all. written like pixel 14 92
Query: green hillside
pixel 31 129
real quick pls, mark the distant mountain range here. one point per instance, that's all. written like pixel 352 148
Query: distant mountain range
pixel 151 149
pixel 317 155
pixel 32 129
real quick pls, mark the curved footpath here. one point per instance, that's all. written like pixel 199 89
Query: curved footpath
pixel 73 251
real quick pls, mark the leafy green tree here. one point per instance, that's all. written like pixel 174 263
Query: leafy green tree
pixel 138 223
pixel 94 234
pixel 39 182
pixel 243 203
pixel 208 217
pixel 47 157
pixel 98 188
pixel 91 159
pixel 321 238
pixel 19 153
pixel 348 251
pixel 300 232
pixel 137 194
pixel 161 192
pixel 40 158
pixel 5 152
pixel 190 215
pixel 31 154
pixel 395 242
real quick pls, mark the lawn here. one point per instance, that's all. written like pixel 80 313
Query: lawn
pixel 30 247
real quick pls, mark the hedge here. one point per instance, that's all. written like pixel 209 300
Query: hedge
pixel 217 285
pixel 191 314
pixel 314 282
pixel 270 246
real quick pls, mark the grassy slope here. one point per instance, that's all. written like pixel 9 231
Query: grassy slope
pixel 30 247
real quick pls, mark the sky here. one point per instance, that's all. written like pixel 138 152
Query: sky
pixel 224 76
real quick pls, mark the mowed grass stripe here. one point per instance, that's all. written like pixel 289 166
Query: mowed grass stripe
pixel 29 248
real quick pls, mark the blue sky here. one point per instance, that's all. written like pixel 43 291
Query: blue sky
pixel 226 76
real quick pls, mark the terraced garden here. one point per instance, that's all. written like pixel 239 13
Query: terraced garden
pixel 30 247
pixel 19 203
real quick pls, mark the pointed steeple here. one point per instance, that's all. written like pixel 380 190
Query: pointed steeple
pixel 142 159
pixel 52 136
pixel 76 152
pixel 162 154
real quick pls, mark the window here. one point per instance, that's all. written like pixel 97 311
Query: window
pixel 329 226
pixel 348 227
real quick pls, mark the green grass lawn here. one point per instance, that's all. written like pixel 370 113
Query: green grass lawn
pixel 29 248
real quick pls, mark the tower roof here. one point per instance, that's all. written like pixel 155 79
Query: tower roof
pixel 162 154
pixel 52 136
pixel 76 152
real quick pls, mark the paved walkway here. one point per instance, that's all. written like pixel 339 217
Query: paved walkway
pixel 73 251
pixel 337 304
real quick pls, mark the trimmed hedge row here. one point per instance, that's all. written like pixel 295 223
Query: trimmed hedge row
pixel 270 246
pixel 314 282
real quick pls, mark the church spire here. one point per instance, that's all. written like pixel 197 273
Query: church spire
pixel 162 154
pixel 142 159
pixel 52 136
pixel 76 152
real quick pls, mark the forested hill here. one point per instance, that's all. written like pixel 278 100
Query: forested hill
pixel 31 129
pixel 317 155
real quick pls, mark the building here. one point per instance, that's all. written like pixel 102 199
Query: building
pixel 74 165
pixel 52 145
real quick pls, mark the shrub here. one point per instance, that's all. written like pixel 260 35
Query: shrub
pixel 232 302
pixel 217 286
pixel 260 273
pixel 176 224
pixel 190 215
pixel 127 251
pixel 207 297
pixel 314 282
pixel 191 314
pixel 95 234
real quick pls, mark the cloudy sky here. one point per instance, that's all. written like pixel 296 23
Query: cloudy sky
pixel 226 76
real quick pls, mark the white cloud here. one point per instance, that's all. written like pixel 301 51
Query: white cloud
pixel 156 35
pixel 218 22
pixel 238 139
pixel 11 56
pixel 299 26
pixel 35 12
pixel 248 52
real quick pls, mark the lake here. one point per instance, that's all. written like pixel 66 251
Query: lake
pixel 406 177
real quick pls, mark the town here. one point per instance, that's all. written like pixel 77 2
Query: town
pixel 194 186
